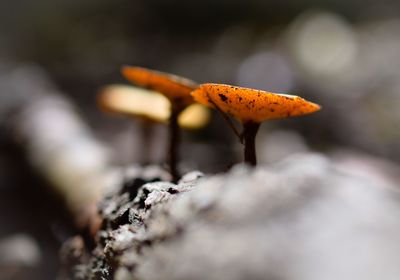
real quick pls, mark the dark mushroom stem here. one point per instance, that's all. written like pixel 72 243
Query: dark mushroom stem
pixel 174 139
pixel 247 137
pixel 250 130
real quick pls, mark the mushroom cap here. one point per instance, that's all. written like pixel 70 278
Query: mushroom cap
pixel 149 105
pixel 134 102
pixel 247 104
pixel 174 87
pixel 195 116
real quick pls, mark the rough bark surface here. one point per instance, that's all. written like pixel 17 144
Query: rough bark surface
pixel 303 218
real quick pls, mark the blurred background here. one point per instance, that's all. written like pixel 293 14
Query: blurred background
pixel 343 55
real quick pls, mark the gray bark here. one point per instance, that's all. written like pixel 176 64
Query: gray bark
pixel 303 218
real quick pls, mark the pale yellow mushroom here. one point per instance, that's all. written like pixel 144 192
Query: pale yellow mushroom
pixel 149 105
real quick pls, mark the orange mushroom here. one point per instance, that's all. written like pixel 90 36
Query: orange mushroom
pixel 177 90
pixel 251 107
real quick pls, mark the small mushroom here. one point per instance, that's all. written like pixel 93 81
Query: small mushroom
pixel 150 107
pixel 134 102
pixel 251 107
pixel 177 90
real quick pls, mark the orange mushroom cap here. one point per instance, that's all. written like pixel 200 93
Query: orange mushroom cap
pixel 175 88
pixel 247 104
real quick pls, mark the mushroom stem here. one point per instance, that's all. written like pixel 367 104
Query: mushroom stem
pixel 250 130
pixel 174 139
